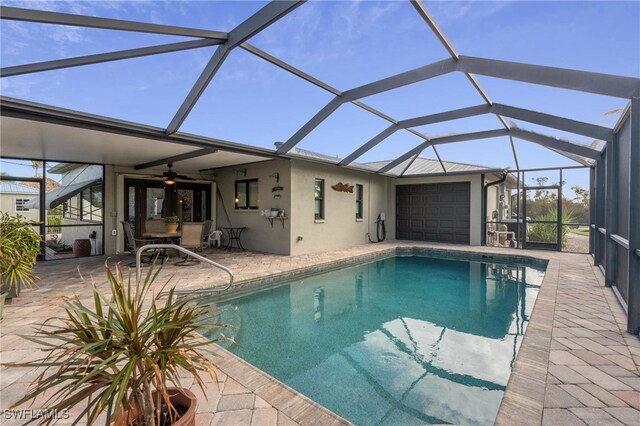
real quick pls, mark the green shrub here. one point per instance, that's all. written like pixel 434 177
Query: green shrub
pixel 19 249
pixel 54 221
pixel 547 232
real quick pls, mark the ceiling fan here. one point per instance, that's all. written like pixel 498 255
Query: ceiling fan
pixel 170 176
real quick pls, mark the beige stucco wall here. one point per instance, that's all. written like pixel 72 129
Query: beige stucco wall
pixel 475 232
pixel 340 227
pixel 259 235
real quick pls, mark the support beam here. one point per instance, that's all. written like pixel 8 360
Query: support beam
pixel 370 144
pixel 584 81
pixel 600 203
pixel 105 57
pixel 487 134
pixel 611 213
pixel 289 68
pixel 409 164
pixel 175 158
pixel 45 17
pixel 553 121
pixel 418 121
pixel 446 139
pixel 399 80
pixel 515 155
pixel 435 28
pixel 247 29
pixel 308 127
pixel 198 88
pixel 435 151
pixel 633 303
pixel 559 144
pixel 445 116
pixel 415 151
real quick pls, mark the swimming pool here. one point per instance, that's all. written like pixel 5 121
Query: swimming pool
pixel 398 341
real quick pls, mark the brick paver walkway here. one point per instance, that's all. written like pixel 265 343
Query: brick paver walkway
pixel 576 365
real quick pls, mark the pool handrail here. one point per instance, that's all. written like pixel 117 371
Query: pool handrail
pixel 189 253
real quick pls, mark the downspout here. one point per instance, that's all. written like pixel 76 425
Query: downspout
pixel 484 204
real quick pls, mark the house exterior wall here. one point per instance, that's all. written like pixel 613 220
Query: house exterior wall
pixel 475 231
pixel 259 235
pixel 339 228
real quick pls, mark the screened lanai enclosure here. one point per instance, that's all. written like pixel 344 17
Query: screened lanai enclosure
pixel 263 85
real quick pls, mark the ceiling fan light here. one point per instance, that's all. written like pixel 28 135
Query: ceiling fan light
pixel 169 181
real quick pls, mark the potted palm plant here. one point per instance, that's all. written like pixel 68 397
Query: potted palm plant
pixel 19 249
pixel 123 355
pixel 171 223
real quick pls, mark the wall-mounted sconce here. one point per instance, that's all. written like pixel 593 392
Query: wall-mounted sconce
pixel 276 176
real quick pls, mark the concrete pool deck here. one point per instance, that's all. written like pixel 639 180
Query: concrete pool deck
pixel 576 364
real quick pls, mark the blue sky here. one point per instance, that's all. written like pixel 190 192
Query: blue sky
pixel 345 44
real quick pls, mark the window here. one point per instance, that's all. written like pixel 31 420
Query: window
pixel 20 205
pixel 319 199
pixel 247 194
pixel 359 207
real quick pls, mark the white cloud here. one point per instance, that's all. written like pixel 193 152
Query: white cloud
pixel 446 12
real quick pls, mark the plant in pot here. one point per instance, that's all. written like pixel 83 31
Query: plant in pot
pixel 123 355
pixel 19 249
pixel 171 223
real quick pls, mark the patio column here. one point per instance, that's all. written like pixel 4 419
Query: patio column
pixel 633 313
pixel 600 205
pixel 592 212
pixel 611 212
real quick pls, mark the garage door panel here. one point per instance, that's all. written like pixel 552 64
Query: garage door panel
pixel 434 212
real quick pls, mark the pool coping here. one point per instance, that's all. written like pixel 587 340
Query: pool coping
pixel 523 400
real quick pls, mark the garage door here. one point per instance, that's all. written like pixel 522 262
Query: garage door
pixel 434 212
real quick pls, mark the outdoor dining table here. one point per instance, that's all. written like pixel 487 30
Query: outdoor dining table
pixel 163 237
pixel 233 235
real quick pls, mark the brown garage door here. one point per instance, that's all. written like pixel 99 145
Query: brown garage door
pixel 434 212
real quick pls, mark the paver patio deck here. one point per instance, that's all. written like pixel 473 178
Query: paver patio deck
pixel 576 364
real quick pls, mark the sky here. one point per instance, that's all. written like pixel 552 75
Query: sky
pixel 345 44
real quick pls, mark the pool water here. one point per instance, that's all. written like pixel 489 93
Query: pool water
pixel 399 341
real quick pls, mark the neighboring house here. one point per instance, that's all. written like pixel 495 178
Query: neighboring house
pixel 14 198
pixel 78 200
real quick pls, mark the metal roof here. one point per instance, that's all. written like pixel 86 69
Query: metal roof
pixel 427 166
pixel 7 187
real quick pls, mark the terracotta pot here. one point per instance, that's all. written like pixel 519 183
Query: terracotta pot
pixel 171 227
pixel 81 248
pixel 185 398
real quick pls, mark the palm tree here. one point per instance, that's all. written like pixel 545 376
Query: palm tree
pixel 36 166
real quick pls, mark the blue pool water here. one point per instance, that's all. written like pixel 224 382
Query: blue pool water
pixel 399 341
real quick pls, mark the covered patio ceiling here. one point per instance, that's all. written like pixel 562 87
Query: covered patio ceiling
pixel 36 130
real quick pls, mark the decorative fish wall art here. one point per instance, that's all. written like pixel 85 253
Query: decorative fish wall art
pixel 342 187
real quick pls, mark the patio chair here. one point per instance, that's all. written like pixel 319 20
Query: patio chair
pixel 208 227
pixel 191 239
pixel 216 237
pixel 132 244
